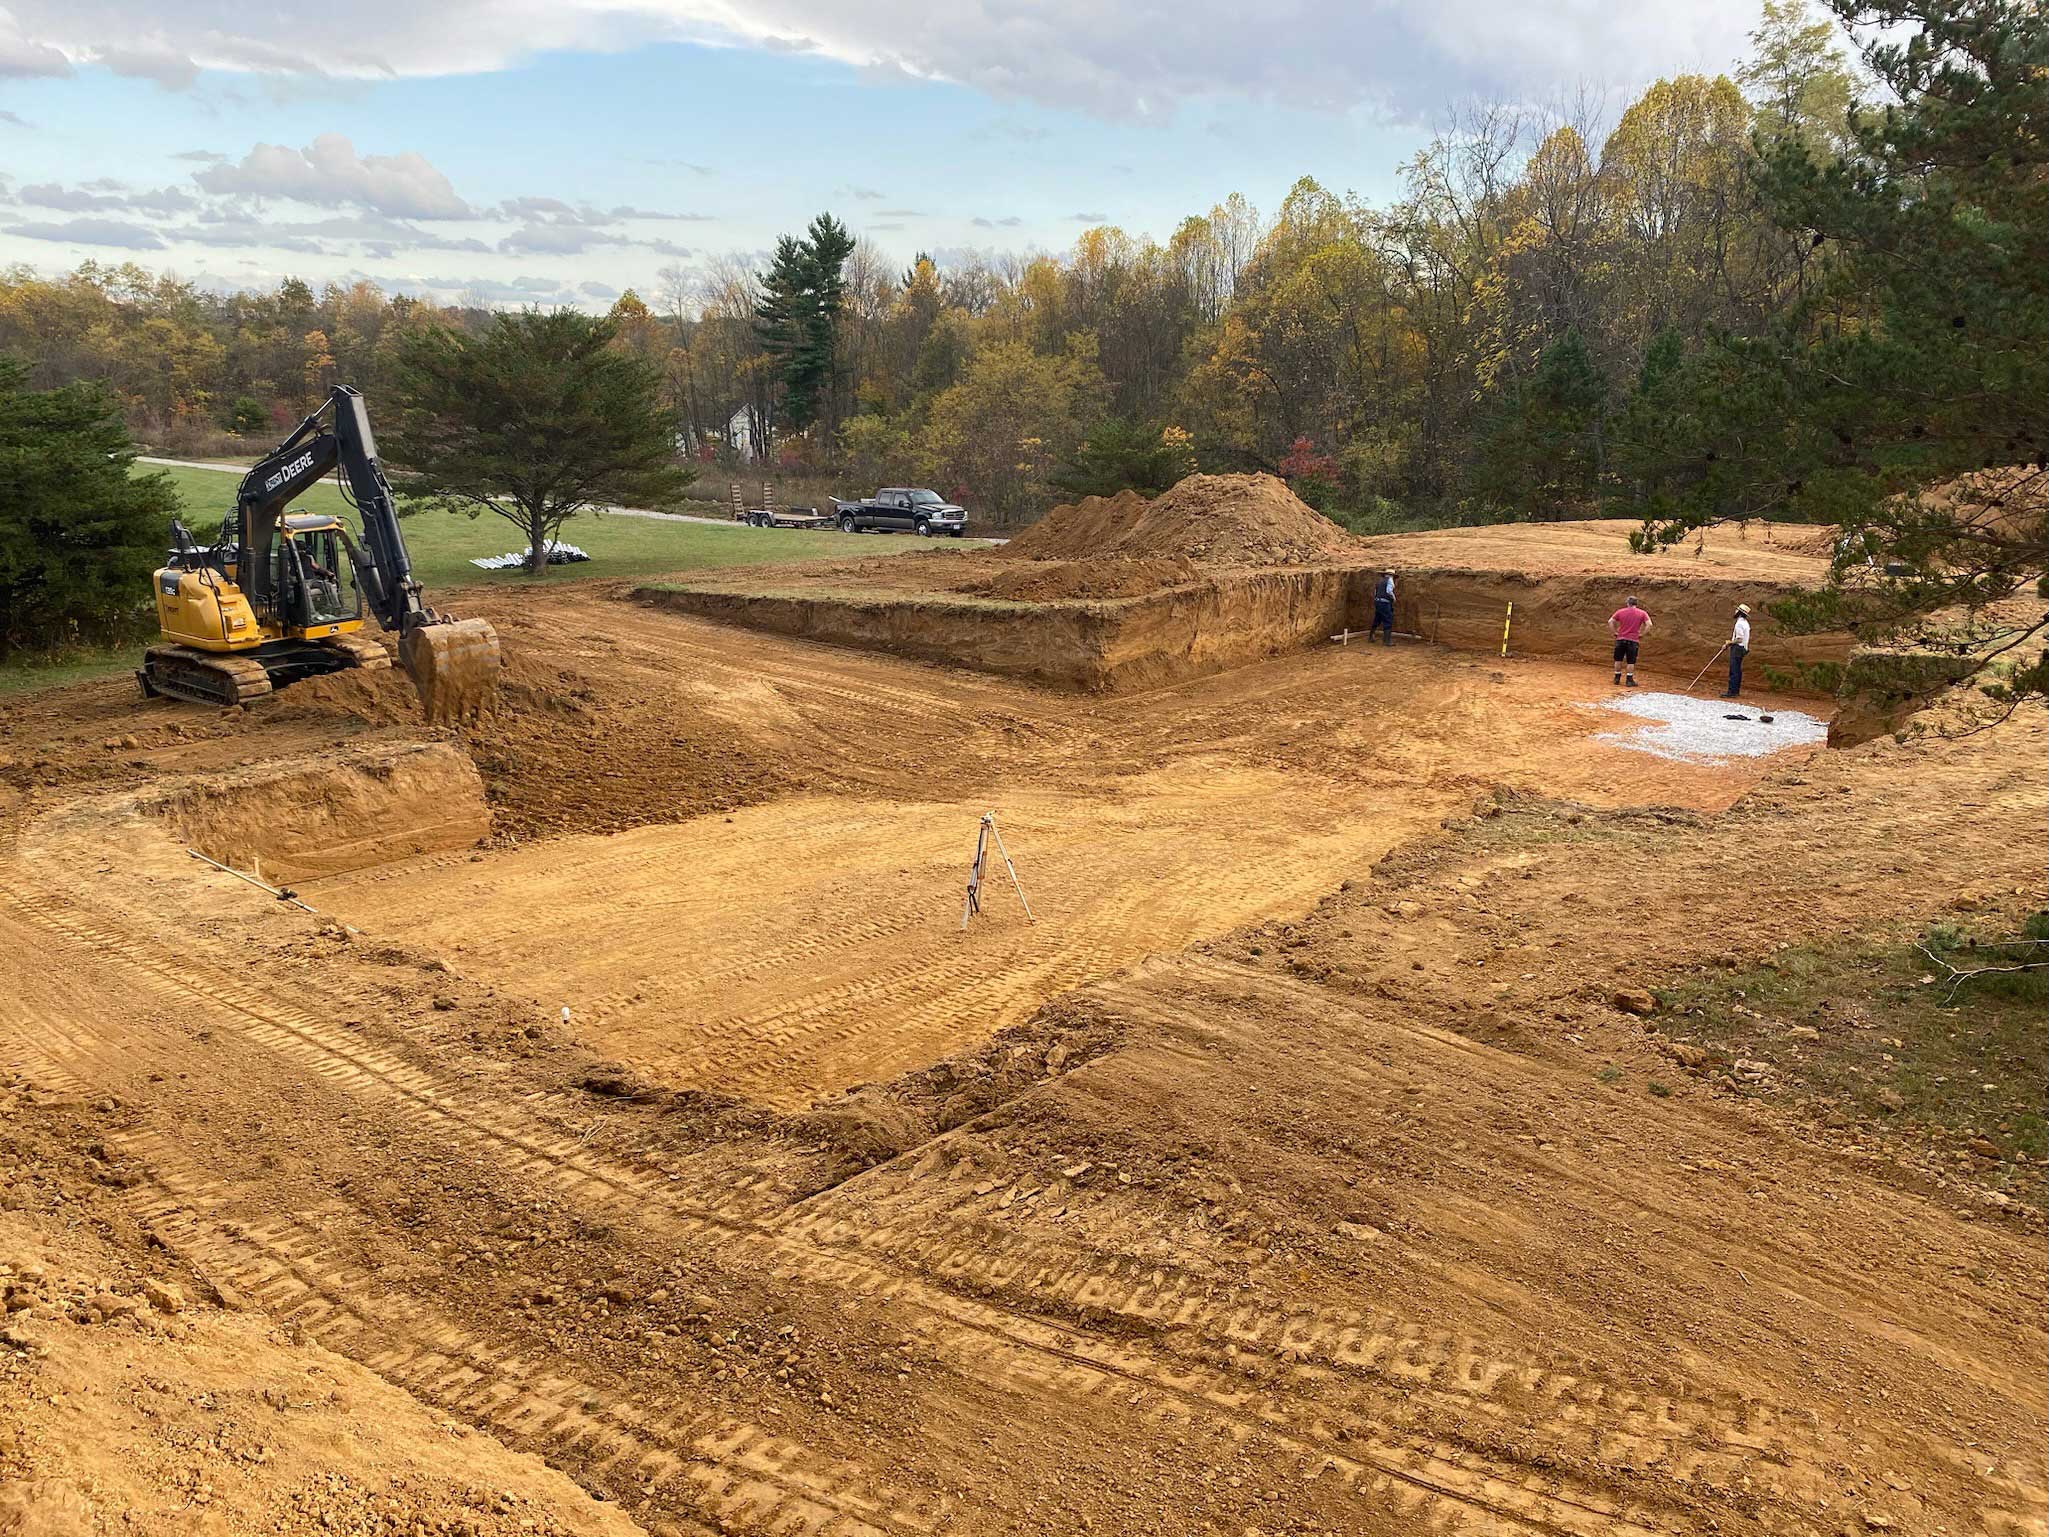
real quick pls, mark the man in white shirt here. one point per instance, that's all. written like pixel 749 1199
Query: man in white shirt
pixel 1739 648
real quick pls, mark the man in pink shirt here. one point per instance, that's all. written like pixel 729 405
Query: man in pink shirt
pixel 1628 622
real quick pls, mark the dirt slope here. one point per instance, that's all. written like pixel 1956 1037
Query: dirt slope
pixel 136 1401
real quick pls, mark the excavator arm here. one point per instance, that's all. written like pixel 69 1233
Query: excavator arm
pixel 453 663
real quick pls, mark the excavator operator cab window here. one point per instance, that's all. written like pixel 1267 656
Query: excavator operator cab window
pixel 317 578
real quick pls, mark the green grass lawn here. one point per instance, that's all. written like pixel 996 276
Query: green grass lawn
pixel 442 545
pixel 22 677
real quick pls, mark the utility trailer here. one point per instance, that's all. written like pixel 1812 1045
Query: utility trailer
pixel 768 515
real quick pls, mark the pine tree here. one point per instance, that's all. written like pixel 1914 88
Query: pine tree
pixel 80 532
pixel 1543 453
pixel 797 317
pixel 1907 396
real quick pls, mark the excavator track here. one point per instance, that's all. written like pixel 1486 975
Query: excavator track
pixel 201 677
pixel 364 651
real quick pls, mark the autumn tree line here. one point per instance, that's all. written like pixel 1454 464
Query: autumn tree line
pixel 1798 292
pixel 1466 349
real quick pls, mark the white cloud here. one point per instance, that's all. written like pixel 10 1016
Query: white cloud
pixel 329 174
pixel 65 199
pixel 556 239
pixel 91 231
pixel 92 197
pixel 487 290
pixel 170 68
pixel 544 208
pixel 23 54
pixel 628 211
pixel 1133 58
pixel 571 239
pixel 230 227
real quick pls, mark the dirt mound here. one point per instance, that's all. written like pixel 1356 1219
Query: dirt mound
pixel 1046 581
pixel 1090 526
pixel 1218 520
pixel 380 698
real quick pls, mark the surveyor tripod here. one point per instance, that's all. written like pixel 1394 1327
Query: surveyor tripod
pixel 983 835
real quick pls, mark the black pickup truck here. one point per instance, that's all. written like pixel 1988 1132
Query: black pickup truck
pixel 901 509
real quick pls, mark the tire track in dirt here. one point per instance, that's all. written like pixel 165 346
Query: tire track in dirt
pixel 1445 1485
pixel 735 1471
pixel 732 1471
pixel 805 973
pixel 839 1261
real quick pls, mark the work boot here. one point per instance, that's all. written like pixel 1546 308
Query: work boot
pixel 1618 677
pixel 1632 683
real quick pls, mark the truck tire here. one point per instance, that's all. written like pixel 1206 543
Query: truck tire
pixel 846 523
pixel 924 528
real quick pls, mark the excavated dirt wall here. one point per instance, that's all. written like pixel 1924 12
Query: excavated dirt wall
pixel 325 816
pixel 1110 645
pixel 1567 616
pixel 1228 619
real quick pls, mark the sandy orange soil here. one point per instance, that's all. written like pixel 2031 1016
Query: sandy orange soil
pixel 1267 1182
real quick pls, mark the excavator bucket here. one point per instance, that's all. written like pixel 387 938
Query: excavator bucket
pixel 454 666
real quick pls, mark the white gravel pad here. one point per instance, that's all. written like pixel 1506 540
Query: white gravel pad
pixel 1690 730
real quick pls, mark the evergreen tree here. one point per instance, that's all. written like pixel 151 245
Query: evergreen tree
pixel 797 317
pixel 80 532
pixel 1907 397
pixel 1542 455
pixel 1124 456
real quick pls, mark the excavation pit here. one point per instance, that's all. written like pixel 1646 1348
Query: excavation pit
pixel 1123 619
pixel 786 951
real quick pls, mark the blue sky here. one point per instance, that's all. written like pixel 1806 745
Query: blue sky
pixel 431 147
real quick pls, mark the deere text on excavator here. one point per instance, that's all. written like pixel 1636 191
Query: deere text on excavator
pixel 282 596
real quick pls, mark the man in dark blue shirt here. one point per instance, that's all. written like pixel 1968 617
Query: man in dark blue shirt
pixel 1383 607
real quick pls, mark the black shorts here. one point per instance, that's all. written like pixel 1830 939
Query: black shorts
pixel 1625 651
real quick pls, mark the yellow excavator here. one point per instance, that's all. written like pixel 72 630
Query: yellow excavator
pixel 282 596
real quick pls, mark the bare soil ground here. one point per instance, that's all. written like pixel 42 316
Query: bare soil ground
pixel 1297 1171
pixel 1760 552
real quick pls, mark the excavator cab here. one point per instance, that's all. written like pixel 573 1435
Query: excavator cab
pixel 313 577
